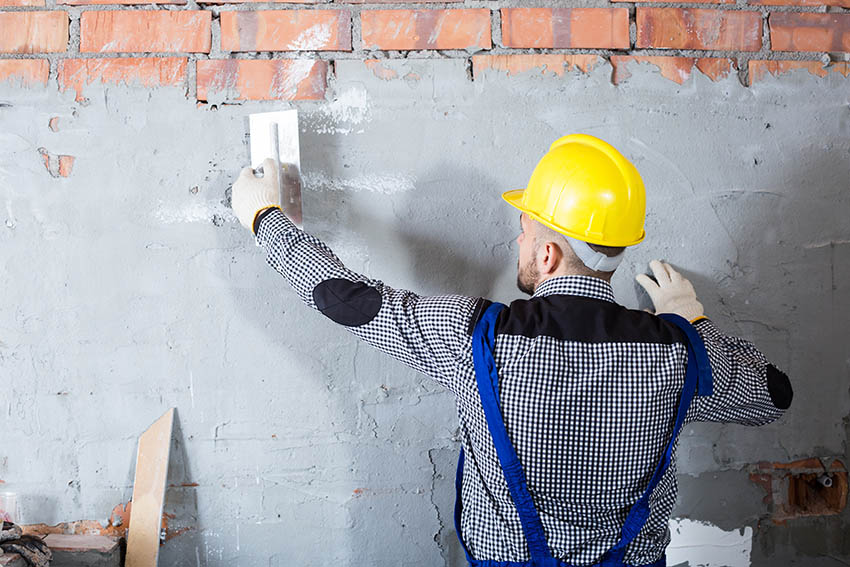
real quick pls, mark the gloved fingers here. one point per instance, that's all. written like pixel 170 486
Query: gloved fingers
pixel 9 531
pixel 674 275
pixel 681 282
pixel 660 273
pixel 269 167
pixel 650 286
pixel 246 173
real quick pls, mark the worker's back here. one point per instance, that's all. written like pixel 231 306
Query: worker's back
pixel 582 396
pixel 589 392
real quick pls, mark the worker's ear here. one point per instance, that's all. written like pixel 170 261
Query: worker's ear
pixel 549 258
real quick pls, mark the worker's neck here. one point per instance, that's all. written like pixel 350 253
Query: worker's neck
pixel 604 276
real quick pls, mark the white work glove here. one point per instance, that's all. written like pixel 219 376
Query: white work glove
pixel 672 293
pixel 251 194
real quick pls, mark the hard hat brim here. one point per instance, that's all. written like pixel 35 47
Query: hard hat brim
pixel 514 198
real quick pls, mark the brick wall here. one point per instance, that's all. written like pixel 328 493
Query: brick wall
pixel 286 50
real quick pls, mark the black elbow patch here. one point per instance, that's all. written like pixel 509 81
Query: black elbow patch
pixel 346 302
pixel 779 387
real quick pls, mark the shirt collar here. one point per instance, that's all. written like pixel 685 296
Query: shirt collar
pixel 586 286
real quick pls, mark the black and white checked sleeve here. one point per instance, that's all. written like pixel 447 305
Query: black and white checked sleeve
pixel 747 389
pixel 430 334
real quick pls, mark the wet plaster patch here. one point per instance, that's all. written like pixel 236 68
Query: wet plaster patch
pixel 700 544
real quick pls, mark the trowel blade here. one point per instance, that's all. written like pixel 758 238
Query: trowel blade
pixel 285 148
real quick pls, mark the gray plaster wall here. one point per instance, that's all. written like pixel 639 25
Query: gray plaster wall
pixel 129 287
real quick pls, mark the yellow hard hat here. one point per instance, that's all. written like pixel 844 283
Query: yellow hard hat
pixel 584 188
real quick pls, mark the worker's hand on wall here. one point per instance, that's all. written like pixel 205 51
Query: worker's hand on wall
pixel 252 195
pixel 672 293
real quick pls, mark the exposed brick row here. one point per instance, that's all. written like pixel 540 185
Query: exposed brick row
pixel 189 31
pixel 566 27
pixel 33 32
pixel 305 79
pixel 698 28
pixel 181 32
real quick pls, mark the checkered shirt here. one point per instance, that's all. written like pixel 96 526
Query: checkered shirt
pixel 589 420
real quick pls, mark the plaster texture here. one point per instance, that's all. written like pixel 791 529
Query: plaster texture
pixel 129 287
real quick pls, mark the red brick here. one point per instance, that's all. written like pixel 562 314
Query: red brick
pixel 45 155
pixel 690 1
pixel 842 3
pixel 426 29
pixel 33 32
pixel 759 69
pixel 566 27
pixel 144 71
pixel 25 72
pixel 101 2
pixel 698 28
pixel 66 164
pixel 286 30
pixel 554 63
pixel 380 70
pixel 790 31
pixel 56 166
pixel 145 31
pixel 22 3
pixel 397 1
pixel 283 79
pixel 260 1
pixel 766 482
pixel 810 464
pixel 677 69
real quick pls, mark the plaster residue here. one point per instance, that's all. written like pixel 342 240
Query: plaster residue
pixel 700 544
pixel 542 64
pixel 313 38
pixel 287 79
pixel 386 183
pixel 677 69
pixel 210 211
pixel 380 70
pixel 348 109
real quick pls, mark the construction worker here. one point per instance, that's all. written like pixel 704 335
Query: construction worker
pixel 569 404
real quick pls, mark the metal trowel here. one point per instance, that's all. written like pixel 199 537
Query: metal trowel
pixel 275 135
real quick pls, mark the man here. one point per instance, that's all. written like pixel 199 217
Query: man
pixel 569 404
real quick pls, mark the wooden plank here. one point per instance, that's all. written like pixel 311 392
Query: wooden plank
pixel 78 542
pixel 76 550
pixel 149 493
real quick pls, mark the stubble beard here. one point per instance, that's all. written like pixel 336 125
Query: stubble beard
pixel 527 276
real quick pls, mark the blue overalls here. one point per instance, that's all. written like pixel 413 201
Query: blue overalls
pixel 697 381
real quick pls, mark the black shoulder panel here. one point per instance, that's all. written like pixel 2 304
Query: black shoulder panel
pixel 346 302
pixel 779 387
pixel 585 319
pixel 478 310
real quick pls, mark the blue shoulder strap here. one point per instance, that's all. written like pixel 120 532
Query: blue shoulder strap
pixel 483 340
pixel 698 371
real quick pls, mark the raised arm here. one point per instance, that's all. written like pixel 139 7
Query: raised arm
pixel 430 334
pixel 747 388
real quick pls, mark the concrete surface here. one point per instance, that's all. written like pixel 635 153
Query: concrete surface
pixel 129 287
pixel 84 550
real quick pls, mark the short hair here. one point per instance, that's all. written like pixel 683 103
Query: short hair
pixel 546 234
